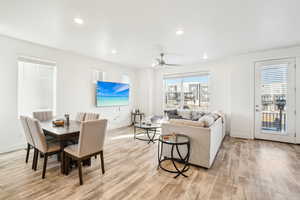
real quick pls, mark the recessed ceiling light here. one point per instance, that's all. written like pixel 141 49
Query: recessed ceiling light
pixel 113 51
pixel 179 32
pixel 204 56
pixel 78 20
pixel 153 64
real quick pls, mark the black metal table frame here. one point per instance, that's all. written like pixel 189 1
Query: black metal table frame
pixel 147 130
pixel 134 115
pixel 184 160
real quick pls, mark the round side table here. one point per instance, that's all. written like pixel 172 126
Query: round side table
pixel 175 141
pixel 149 129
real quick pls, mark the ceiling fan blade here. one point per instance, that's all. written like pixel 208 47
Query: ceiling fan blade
pixel 174 65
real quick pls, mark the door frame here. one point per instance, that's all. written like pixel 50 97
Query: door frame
pixel 291 136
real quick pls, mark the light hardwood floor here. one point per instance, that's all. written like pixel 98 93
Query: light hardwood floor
pixel 244 169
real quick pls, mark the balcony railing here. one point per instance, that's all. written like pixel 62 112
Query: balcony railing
pixel 274 121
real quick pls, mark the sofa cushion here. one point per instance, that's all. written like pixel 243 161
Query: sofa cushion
pixel 172 112
pixel 185 114
pixel 214 115
pixel 196 115
pixel 207 120
pixel 218 112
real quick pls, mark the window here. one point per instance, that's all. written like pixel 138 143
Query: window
pixel 36 86
pixel 274 92
pixel 188 92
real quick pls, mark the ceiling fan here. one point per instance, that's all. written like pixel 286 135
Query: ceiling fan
pixel 162 62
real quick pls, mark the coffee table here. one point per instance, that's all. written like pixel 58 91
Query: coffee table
pixel 149 130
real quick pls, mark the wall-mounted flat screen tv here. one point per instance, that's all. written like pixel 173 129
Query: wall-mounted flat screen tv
pixel 112 94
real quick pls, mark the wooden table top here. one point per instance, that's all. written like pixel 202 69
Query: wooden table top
pixel 49 127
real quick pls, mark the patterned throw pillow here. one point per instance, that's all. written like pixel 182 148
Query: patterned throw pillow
pixel 185 114
pixel 196 115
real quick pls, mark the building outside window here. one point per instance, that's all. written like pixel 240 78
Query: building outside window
pixel 190 92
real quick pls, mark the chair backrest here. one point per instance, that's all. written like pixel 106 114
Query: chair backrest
pixel 91 116
pixel 37 134
pixel 91 138
pixel 80 116
pixel 43 115
pixel 26 129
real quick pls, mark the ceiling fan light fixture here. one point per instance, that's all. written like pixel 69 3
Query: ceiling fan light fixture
pixel 78 20
pixel 114 51
pixel 179 32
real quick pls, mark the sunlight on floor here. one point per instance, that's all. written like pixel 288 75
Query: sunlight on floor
pixel 122 137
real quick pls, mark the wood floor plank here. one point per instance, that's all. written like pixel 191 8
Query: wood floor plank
pixel 243 169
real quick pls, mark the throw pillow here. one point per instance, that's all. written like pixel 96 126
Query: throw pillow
pixel 185 114
pixel 207 120
pixel 196 115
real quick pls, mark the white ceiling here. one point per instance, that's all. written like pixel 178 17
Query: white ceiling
pixel 138 29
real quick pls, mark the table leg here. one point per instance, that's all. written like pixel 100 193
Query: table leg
pixel 62 156
pixel 154 134
pixel 185 160
pixel 159 153
pixel 134 130
pixel 147 131
pixel 141 117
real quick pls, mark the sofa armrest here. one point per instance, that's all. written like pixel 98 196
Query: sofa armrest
pixel 199 138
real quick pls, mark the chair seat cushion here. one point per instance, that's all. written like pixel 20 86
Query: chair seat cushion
pixel 73 150
pixel 53 147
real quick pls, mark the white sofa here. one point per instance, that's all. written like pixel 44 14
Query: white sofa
pixel 205 142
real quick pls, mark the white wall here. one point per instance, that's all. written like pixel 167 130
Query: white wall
pixel 145 91
pixel 232 87
pixel 75 90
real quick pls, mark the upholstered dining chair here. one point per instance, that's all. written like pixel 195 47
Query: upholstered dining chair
pixel 91 141
pixel 41 145
pixel 91 116
pixel 28 136
pixel 80 116
pixel 43 115
pixel 46 115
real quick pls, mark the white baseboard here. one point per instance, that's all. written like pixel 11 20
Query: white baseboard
pixel 241 134
pixel 13 148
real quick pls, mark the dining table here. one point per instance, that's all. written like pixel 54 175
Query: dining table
pixel 64 135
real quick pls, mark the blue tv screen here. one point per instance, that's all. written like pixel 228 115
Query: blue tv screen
pixel 112 94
